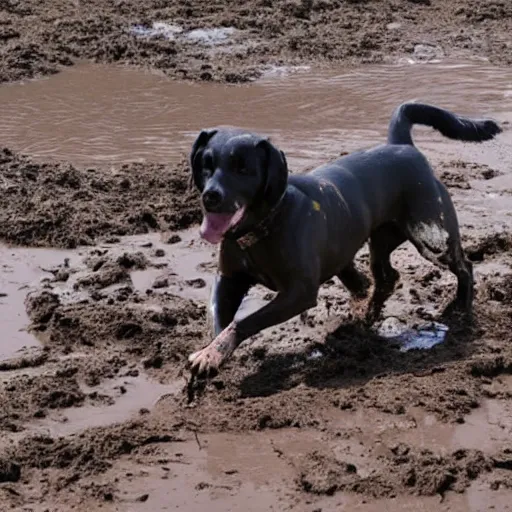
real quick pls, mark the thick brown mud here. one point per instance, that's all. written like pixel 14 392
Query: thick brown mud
pixel 104 280
pixel 232 42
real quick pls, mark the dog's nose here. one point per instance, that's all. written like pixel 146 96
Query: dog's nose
pixel 212 199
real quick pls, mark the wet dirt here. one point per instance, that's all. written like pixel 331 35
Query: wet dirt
pixel 21 269
pixel 315 414
pixel 42 38
pixel 60 205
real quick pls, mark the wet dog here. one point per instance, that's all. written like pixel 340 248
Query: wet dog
pixel 291 234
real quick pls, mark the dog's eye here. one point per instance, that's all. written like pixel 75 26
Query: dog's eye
pixel 208 161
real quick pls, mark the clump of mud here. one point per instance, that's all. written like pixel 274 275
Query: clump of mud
pixel 27 397
pixel 457 173
pixel 158 334
pixel 30 360
pixel 490 245
pixel 59 205
pixel 501 291
pixel 41 306
pixel 106 271
pixel 9 471
pixel 402 471
pixel 91 451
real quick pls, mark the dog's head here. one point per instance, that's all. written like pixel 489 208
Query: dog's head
pixel 239 175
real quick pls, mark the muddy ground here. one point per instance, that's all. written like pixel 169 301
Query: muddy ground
pixel 39 38
pixel 318 414
pixel 121 307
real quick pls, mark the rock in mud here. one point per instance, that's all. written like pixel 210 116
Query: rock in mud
pixel 161 282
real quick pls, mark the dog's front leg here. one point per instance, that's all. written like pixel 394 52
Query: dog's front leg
pixel 225 299
pixel 285 305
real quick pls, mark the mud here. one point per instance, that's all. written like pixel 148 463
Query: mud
pixel 104 281
pixel 59 205
pixel 40 39
pixel 341 414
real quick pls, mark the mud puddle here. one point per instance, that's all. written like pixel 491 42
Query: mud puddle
pixel 185 267
pixel 220 472
pixel 21 270
pixel 153 270
pixel 486 428
pixel 100 114
pixel 129 397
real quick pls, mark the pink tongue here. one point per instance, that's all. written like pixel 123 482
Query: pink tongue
pixel 214 226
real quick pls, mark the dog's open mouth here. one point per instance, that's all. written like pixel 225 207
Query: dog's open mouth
pixel 215 225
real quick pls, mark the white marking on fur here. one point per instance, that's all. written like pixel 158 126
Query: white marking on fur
pixel 433 238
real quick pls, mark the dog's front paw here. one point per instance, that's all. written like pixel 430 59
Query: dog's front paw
pixel 206 362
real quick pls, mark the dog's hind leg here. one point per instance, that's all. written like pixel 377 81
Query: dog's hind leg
pixel 433 229
pixel 383 241
pixel 463 270
pixel 354 281
pixel 456 259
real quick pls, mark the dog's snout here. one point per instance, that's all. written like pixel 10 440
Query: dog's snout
pixel 212 199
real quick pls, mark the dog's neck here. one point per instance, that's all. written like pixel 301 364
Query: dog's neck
pixel 258 224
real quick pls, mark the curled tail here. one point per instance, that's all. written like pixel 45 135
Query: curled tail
pixel 449 124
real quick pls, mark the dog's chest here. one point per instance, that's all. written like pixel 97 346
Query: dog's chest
pixel 255 264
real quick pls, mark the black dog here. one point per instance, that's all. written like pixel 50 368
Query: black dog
pixel 291 234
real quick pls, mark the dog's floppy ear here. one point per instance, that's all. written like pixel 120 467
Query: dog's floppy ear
pixel 276 169
pixel 196 153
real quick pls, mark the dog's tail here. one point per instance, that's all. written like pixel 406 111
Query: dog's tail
pixel 449 124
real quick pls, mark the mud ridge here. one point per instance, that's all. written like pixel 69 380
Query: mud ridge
pixel 267 34
pixel 58 205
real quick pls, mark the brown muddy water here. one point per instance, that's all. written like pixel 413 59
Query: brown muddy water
pixel 92 114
